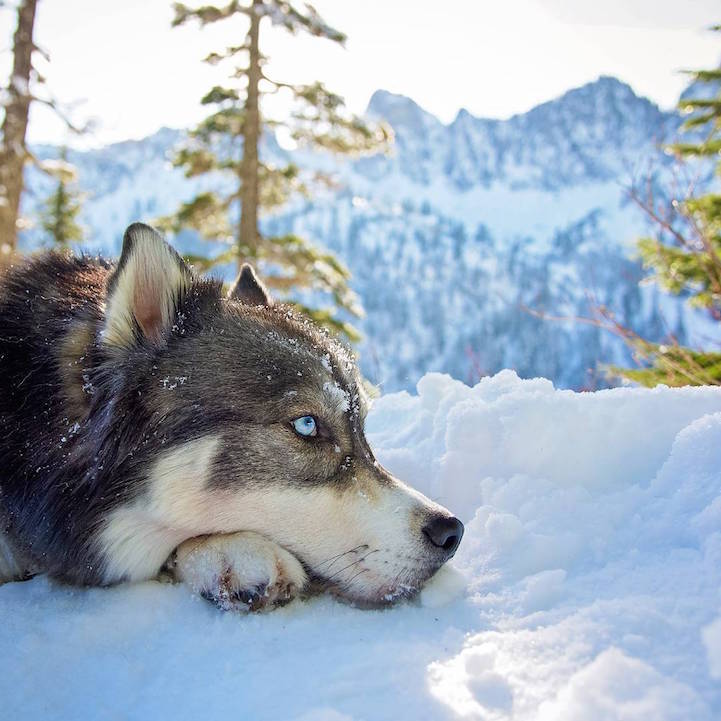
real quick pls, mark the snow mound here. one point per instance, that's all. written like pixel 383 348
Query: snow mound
pixel 586 587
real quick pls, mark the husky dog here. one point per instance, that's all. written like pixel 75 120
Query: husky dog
pixel 149 422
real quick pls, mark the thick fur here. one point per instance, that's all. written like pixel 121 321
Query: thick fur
pixel 140 408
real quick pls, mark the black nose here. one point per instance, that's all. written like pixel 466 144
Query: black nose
pixel 444 532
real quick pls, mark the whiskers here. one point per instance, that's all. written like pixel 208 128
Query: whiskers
pixel 339 575
pixel 352 564
pixel 330 561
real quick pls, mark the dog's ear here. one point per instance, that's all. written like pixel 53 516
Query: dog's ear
pixel 143 293
pixel 249 289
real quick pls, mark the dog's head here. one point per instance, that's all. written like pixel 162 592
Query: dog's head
pixel 253 420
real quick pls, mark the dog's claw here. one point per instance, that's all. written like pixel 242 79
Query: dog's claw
pixel 253 598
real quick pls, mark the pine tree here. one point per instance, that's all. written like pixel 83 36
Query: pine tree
pixel 228 141
pixel 25 87
pixel 685 255
pixel 13 153
pixel 59 214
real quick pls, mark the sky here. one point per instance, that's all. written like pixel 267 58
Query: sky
pixel 120 65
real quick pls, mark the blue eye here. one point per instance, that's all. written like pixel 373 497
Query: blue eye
pixel 305 426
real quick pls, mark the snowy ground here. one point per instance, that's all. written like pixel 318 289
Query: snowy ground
pixel 587 586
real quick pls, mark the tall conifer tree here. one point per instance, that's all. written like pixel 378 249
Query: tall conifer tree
pixel 26 86
pixel 228 140
pixel 13 153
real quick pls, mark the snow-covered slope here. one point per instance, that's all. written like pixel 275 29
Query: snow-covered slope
pixel 586 587
pixel 459 234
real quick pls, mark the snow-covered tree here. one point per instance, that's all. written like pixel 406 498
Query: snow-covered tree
pixel 228 141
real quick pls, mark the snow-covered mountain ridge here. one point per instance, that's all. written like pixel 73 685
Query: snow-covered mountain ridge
pixel 592 133
pixel 456 234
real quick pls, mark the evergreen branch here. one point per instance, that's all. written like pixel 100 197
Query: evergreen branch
pixel 703 76
pixel 697 120
pixel 278 184
pixel 225 122
pixel 697 263
pixel 216 58
pixel 709 147
pixel 691 104
pixel 320 122
pixel 286 15
pixel 195 161
pixel 206 14
pixel 219 94
pixel 58 215
pixel 206 213
pixel 205 263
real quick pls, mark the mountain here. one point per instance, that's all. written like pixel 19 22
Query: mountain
pixel 591 133
pixel 461 237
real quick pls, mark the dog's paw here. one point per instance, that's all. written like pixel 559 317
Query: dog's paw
pixel 239 571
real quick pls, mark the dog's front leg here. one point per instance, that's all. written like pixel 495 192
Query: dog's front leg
pixel 239 571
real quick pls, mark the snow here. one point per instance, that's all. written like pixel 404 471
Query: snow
pixel 586 586
pixel 712 639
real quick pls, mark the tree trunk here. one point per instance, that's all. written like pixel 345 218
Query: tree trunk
pixel 248 235
pixel 14 127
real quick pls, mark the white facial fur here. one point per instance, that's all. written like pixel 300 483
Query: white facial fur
pixel 138 538
pixel 366 539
